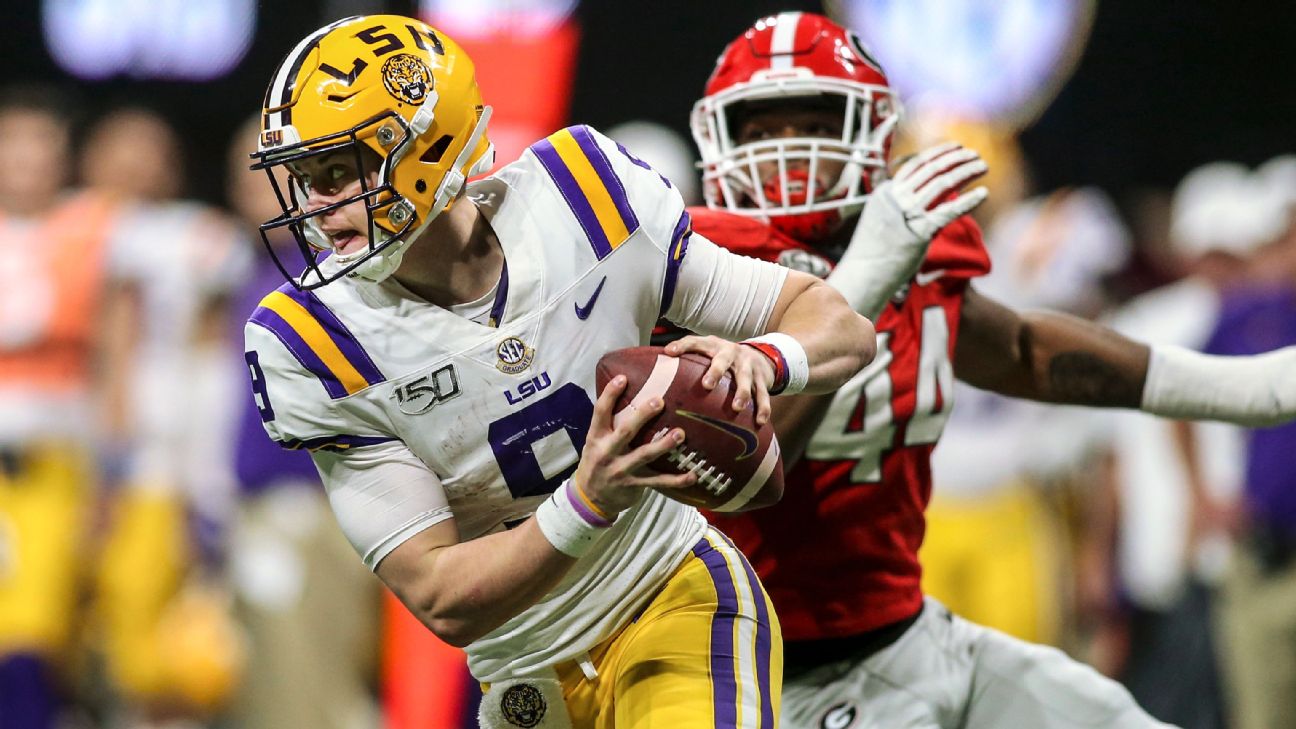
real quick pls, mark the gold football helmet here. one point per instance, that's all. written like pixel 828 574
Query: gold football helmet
pixel 387 84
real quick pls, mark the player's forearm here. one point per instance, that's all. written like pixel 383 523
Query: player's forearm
pixel 1077 362
pixel 838 342
pixel 1062 359
pixel 1047 356
pixel 464 591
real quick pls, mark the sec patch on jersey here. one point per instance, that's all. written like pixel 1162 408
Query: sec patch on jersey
pixel 737 462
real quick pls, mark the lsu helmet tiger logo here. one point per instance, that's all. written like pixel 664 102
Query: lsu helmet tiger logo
pixel 407 78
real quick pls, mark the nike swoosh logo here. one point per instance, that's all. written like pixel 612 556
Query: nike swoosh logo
pixel 748 438
pixel 583 312
pixel 922 279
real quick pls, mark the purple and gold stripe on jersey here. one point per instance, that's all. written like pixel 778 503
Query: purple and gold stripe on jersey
pixel 675 256
pixel 318 339
pixel 591 188
pixel 741 649
pixel 334 443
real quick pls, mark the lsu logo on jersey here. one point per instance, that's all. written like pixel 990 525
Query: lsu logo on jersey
pixel 533 386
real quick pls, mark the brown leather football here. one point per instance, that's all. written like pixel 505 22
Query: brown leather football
pixel 737 462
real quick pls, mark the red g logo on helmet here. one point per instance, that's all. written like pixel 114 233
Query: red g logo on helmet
pixel 861 50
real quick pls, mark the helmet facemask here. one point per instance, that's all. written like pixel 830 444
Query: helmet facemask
pixel 792 199
pixel 390 219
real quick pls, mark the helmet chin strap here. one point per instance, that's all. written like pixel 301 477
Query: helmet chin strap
pixel 379 267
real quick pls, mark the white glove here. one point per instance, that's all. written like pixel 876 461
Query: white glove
pixel 1258 391
pixel 893 233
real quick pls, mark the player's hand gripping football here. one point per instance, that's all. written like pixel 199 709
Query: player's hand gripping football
pixel 609 471
pixel 899 221
pixel 753 373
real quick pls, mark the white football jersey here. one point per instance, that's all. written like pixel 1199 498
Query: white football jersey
pixel 183 258
pixel 495 412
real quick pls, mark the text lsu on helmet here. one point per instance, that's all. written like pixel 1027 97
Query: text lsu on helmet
pixel 382 84
pixel 789 61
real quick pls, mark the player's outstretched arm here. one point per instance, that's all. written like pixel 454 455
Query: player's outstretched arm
pixel 464 590
pixel 1057 358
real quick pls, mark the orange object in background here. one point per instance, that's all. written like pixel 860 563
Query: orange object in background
pixel 425 682
pixel 526 75
pixel 50 283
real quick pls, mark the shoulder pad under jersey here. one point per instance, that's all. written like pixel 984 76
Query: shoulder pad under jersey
pixel 751 237
pixel 610 192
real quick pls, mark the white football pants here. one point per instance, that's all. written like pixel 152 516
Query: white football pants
pixel 948 673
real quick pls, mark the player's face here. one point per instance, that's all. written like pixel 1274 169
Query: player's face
pixel 329 179
pixel 33 158
pixel 134 154
pixel 784 123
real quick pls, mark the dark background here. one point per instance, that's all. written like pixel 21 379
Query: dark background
pixel 1161 87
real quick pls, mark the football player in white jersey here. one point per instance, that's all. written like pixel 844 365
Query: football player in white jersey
pixel 444 381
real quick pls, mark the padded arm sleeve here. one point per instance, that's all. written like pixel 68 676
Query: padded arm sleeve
pixel 723 293
pixel 382 495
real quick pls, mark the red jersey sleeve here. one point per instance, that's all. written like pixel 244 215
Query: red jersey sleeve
pixel 958 250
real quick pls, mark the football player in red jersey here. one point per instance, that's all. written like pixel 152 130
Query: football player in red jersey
pixel 795 134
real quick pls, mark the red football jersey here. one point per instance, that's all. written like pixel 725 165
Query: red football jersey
pixel 839 553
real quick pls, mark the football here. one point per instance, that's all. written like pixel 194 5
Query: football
pixel 737 462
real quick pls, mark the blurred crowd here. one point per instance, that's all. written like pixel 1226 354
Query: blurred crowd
pixel 163 564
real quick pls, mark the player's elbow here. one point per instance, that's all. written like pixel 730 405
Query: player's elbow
pixel 856 340
pixel 456 633
pixel 432 608
pixel 864 338
pixel 455 630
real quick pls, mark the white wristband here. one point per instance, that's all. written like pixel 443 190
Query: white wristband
pixel 794 358
pixel 1254 391
pixel 569 525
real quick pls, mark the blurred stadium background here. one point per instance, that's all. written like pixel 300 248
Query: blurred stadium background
pixel 195 590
